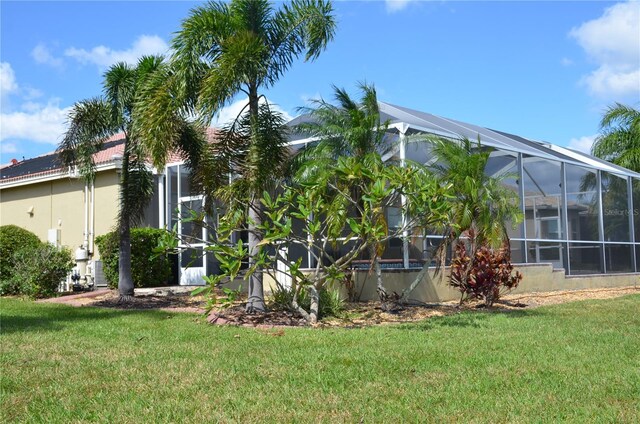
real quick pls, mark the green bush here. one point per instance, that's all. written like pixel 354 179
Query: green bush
pixel 38 271
pixel 331 302
pixel 12 239
pixel 148 269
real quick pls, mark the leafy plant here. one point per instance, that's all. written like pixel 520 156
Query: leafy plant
pixel 12 239
pixel 38 271
pixel 148 268
pixel 339 216
pixel 331 301
pixel 213 284
pixel 486 275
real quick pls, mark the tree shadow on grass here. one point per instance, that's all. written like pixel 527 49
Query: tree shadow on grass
pixel 50 317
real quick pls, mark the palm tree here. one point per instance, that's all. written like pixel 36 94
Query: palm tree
pixel 619 139
pixel 348 129
pixel 94 120
pixel 225 49
pixel 482 206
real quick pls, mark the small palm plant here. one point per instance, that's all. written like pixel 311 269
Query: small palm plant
pixel 479 212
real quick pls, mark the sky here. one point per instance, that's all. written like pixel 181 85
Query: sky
pixel 545 70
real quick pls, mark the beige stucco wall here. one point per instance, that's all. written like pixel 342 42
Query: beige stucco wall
pixel 60 204
pixel 106 203
pixel 536 278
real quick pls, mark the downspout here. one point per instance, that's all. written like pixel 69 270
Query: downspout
pixel 161 200
pixel 85 242
pixel 92 216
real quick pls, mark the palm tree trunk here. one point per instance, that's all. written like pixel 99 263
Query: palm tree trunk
pixel 125 278
pixel 255 298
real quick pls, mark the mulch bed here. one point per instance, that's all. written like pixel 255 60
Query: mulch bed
pixel 236 315
pixel 356 315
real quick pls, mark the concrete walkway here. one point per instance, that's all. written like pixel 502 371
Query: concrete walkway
pixel 71 297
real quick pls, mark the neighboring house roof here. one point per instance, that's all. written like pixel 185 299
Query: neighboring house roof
pixel 49 165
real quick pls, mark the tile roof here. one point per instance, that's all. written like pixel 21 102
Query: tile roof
pixel 49 164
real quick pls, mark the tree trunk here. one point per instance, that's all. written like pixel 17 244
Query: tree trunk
pixel 422 275
pixel 314 310
pixel 125 278
pixel 382 292
pixel 255 298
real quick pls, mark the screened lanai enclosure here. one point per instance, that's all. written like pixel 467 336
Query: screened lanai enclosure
pixel 581 214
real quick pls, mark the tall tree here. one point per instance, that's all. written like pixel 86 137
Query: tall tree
pixel 223 50
pixel 93 121
pixel 619 139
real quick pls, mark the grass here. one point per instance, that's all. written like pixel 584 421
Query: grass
pixel 577 362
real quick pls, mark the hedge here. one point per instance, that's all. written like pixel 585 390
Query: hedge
pixel 13 239
pixel 148 269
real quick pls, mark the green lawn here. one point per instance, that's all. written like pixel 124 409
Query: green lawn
pixel 576 362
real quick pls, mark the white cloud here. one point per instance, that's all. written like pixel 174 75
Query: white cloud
pixel 31 93
pixel 229 113
pixel 8 82
pixel 310 99
pixel 103 56
pixel 582 144
pixel 35 122
pixel 565 61
pixel 607 81
pixel 6 147
pixel 42 55
pixel 396 5
pixel 612 41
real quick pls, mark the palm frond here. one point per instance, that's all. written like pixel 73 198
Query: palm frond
pixel 119 88
pixel 350 128
pixel 90 124
pixel 304 26
pixel 619 139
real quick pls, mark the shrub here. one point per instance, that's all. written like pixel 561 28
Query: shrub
pixel 331 302
pixel 485 276
pixel 39 271
pixel 148 269
pixel 12 239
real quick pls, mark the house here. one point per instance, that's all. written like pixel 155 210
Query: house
pixel 582 214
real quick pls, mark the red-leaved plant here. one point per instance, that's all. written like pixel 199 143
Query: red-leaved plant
pixel 486 276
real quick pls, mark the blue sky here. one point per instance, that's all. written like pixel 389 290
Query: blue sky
pixel 544 70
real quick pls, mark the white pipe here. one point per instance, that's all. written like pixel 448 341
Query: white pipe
pixel 92 218
pixel 85 242
pixel 161 201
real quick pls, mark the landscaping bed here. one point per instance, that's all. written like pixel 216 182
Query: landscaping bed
pixel 357 314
